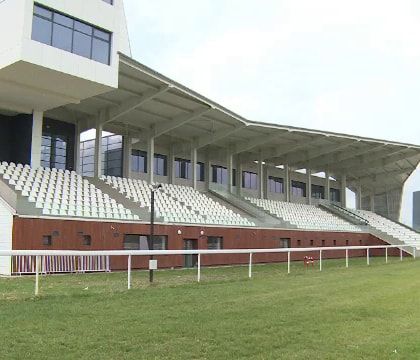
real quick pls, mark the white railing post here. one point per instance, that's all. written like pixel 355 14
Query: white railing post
pixel 129 272
pixel 288 262
pixel 401 254
pixel 250 266
pixel 199 268
pixel 347 258
pixel 367 256
pixel 37 260
pixel 320 260
pixel 414 252
pixel 386 255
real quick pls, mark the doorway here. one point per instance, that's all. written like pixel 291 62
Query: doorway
pixel 190 261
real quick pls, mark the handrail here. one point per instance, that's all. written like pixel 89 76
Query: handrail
pixel 351 213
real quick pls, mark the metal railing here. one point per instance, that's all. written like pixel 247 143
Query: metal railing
pixel 39 254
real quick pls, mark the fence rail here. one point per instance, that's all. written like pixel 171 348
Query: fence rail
pixel 40 256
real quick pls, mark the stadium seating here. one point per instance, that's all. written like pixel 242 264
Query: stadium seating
pixel 400 232
pixel 62 193
pixel 304 216
pixel 178 204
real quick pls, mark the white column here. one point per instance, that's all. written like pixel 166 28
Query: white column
pixel 261 178
pixel 171 164
pixel 37 121
pixel 287 182
pixel 265 183
pixel 343 195
pixel 98 150
pixel 238 176
pixel 327 185
pixel 150 159
pixel 207 169
pixel 127 155
pixel 194 167
pixel 76 155
pixel 229 166
pixel 309 186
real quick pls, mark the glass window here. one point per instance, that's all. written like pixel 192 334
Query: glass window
pixel 139 161
pixel 160 165
pixel 275 185
pixel 219 174
pixel 87 240
pixel 249 180
pixel 318 191
pixel 285 242
pixel 214 243
pixel 66 33
pixel 200 172
pixel 47 240
pixel 334 195
pixel 54 151
pixel 182 168
pixel 140 242
pixel 298 188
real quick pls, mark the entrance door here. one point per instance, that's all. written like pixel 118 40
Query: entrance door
pixel 190 260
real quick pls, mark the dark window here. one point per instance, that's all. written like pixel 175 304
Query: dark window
pixel 214 242
pixel 200 171
pixel 140 242
pixel 298 188
pixel 318 191
pixel 87 240
pixel 285 242
pixel 312 243
pixel 298 243
pixel 335 242
pixel 112 155
pixel 219 174
pixel 347 243
pixel 360 242
pixel 182 168
pixel 275 185
pixel 66 33
pixel 139 161
pixel 233 177
pixel 161 165
pixel 335 195
pixel 249 180
pixel 323 242
pixel 54 151
pixel 47 240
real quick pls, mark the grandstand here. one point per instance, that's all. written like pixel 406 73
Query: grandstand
pixel 227 181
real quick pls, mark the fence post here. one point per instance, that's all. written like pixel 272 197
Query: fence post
pixel 386 255
pixel 367 256
pixel 401 255
pixel 250 266
pixel 288 262
pixel 37 275
pixel 320 260
pixel 199 268
pixel 347 258
pixel 414 252
pixel 129 272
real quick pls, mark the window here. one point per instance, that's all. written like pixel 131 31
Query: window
pixel 214 242
pixel 334 242
pixel 347 243
pixel 298 243
pixel 87 240
pixel 298 188
pixel 249 180
pixel 87 157
pixel 318 191
pixel 219 174
pixel 47 240
pixel 161 164
pixel 312 243
pixel 323 242
pixel 140 242
pixel 66 33
pixel 233 177
pixel 111 2
pixel 275 185
pixel 200 171
pixel 54 151
pixel 182 168
pixel 335 195
pixel 285 242
pixel 112 155
pixel 139 161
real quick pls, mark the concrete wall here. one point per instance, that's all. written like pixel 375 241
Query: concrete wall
pixel 6 229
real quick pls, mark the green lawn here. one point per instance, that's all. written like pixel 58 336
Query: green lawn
pixel 364 312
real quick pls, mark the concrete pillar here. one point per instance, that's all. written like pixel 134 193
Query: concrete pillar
pixel 372 202
pixel 309 186
pixel 327 186
pixel 127 143
pixel 37 122
pixel 76 156
pixel 238 176
pixel 98 150
pixel 359 197
pixel 194 167
pixel 171 164
pixel 261 178
pixel 207 169
pixel 229 162
pixel 287 182
pixel 265 183
pixel 343 195
pixel 150 159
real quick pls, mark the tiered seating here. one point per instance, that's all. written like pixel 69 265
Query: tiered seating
pixel 177 204
pixel 212 211
pixel 402 233
pixel 304 216
pixel 62 193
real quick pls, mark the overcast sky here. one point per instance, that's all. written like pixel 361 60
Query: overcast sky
pixel 344 66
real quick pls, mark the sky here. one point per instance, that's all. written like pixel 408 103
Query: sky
pixel 342 66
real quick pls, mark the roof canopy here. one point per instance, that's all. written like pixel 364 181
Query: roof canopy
pixel 147 103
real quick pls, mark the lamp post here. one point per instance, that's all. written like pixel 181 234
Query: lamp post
pixel 155 188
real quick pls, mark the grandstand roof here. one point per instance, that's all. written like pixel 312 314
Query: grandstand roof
pixel 148 103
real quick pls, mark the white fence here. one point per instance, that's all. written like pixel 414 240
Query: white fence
pixel 40 256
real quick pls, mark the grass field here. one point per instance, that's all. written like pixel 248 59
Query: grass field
pixel 364 312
